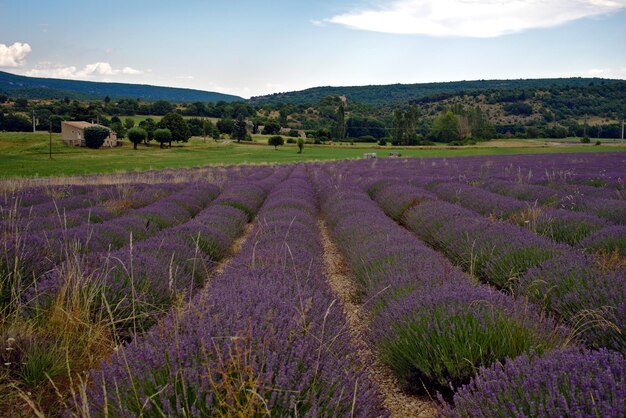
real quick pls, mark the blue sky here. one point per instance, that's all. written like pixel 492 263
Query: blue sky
pixel 248 47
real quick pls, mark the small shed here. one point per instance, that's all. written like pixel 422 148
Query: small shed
pixel 73 133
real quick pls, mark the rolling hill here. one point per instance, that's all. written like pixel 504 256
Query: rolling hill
pixel 48 88
pixel 401 94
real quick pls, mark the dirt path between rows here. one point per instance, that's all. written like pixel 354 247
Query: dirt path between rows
pixel 397 403
pixel 234 249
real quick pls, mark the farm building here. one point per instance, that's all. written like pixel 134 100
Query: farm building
pixel 73 133
pixel 286 131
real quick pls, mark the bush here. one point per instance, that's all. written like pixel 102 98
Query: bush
pixel 136 136
pixel 585 140
pixel 15 122
pixel 276 141
pixel 294 133
pixel 95 136
pixel 570 382
pixel 382 142
pixel 291 141
pixel 300 145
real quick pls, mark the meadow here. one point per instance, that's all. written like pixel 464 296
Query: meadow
pixel 27 154
pixel 477 286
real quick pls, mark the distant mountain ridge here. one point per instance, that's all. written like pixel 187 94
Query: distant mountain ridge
pixel 49 88
pixel 398 94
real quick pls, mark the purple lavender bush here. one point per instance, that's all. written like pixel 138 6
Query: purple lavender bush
pixel 563 383
pixel 608 240
pixel 591 300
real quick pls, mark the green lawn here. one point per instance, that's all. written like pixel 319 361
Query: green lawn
pixel 26 154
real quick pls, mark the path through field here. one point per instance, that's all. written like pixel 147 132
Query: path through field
pixel 397 402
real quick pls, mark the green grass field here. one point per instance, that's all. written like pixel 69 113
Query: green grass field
pixel 26 154
pixel 139 118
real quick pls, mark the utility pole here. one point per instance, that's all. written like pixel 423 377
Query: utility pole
pixel 622 131
pixel 33 120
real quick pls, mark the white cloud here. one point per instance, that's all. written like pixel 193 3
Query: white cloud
pixel 13 55
pixel 473 18
pixel 90 71
pixel 619 73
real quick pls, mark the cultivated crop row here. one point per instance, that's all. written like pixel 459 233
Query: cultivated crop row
pixel 435 326
pixel 266 335
pixel 563 281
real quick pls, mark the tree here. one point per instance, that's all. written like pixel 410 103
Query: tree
pixel 339 130
pixel 272 127
pixel 161 107
pixel 136 136
pixel 196 126
pixel 276 141
pixel 162 136
pixel 177 126
pixel 226 126
pixel 129 123
pixel 21 104
pixel 148 125
pixel 397 130
pixel 239 129
pixel 95 136
pixel 300 145
pixel 15 122
pixel 119 129
pixel 445 127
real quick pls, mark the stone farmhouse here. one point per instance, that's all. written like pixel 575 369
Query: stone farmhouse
pixel 73 133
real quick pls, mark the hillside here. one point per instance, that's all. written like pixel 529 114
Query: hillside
pixel 400 94
pixel 49 88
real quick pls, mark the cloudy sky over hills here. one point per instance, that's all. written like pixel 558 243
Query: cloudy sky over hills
pixel 248 47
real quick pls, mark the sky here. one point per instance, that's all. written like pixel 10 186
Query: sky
pixel 253 47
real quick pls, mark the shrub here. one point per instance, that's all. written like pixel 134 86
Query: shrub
pixel 585 140
pixel 300 145
pixel 569 382
pixel 95 136
pixel 276 141
pixel 291 141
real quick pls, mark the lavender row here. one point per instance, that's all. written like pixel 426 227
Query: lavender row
pixel 557 224
pixel 26 258
pixel 566 283
pixel 265 338
pixel 430 322
pixel 142 280
pixel 118 202
pixel 610 209
pixel 564 383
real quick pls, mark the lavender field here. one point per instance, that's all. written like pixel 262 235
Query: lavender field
pixel 467 286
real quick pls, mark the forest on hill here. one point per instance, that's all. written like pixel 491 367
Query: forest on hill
pixel 51 88
pixel 458 113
